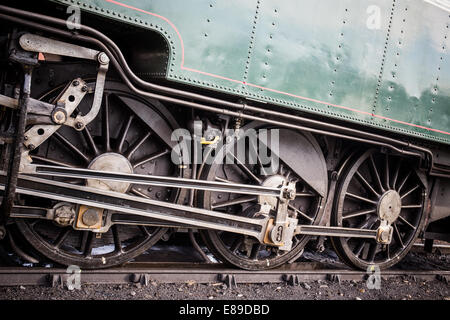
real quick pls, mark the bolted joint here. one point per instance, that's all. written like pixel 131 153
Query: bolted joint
pixel 79 125
pixel 59 115
pixel 288 193
pixel 384 233
pixel 91 217
pixel 103 58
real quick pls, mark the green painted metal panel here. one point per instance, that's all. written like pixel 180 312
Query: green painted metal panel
pixel 383 63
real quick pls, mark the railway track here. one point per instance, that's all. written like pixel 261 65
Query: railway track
pixel 147 273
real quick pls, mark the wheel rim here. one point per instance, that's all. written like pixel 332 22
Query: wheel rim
pixel 374 186
pixel 115 133
pixel 243 251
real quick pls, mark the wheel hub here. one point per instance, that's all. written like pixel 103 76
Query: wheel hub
pixel 389 206
pixel 272 181
pixel 111 162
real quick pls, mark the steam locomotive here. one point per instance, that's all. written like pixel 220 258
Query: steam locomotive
pixel 263 125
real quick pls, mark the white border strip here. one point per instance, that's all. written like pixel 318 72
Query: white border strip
pixel 442 4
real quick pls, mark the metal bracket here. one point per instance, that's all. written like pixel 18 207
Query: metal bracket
pixel 281 230
pixel 81 121
pixel 15 157
pixel 35 43
pixel 8 102
pixel 71 98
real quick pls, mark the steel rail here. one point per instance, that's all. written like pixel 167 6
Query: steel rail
pixel 241 107
pixel 145 273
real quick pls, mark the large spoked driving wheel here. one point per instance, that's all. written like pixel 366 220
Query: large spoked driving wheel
pixel 378 185
pixel 117 140
pixel 244 251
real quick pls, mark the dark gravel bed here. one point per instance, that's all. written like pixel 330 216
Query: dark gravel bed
pixel 392 289
pixel 399 288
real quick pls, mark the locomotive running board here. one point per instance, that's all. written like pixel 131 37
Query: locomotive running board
pixel 165 211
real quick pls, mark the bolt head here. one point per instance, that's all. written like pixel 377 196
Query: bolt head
pixel 84 88
pixel 76 83
pixel 59 117
pixel 31 146
pixel 103 58
pixel 90 217
pixel 79 125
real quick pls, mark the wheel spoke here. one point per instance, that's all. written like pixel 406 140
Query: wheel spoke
pixel 71 147
pixel 368 223
pixel 233 202
pixel 255 250
pixel 139 193
pixel 236 243
pixel 124 133
pixel 258 159
pixel 366 184
pixel 358 213
pixel 359 248
pixel 403 182
pixel 145 231
pixel 136 145
pixel 397 170
pixel 386 172
pixel 151 157
pixel 304 194
pixel 223 180
pixel 55 162
pixel 117 242
pixel 372 252
pixel 412 206
pixel 105 124
pixel 406 222
pixel 409 191
pixel 90 141
pixel 375 174
pixel 61 237
pixel 246 170
pixel 304 215
pixel 356 197
pixel 397 233
pixel 388 251
pixel 87 250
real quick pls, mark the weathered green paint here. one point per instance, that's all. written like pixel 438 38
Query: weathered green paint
pixel 333 57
